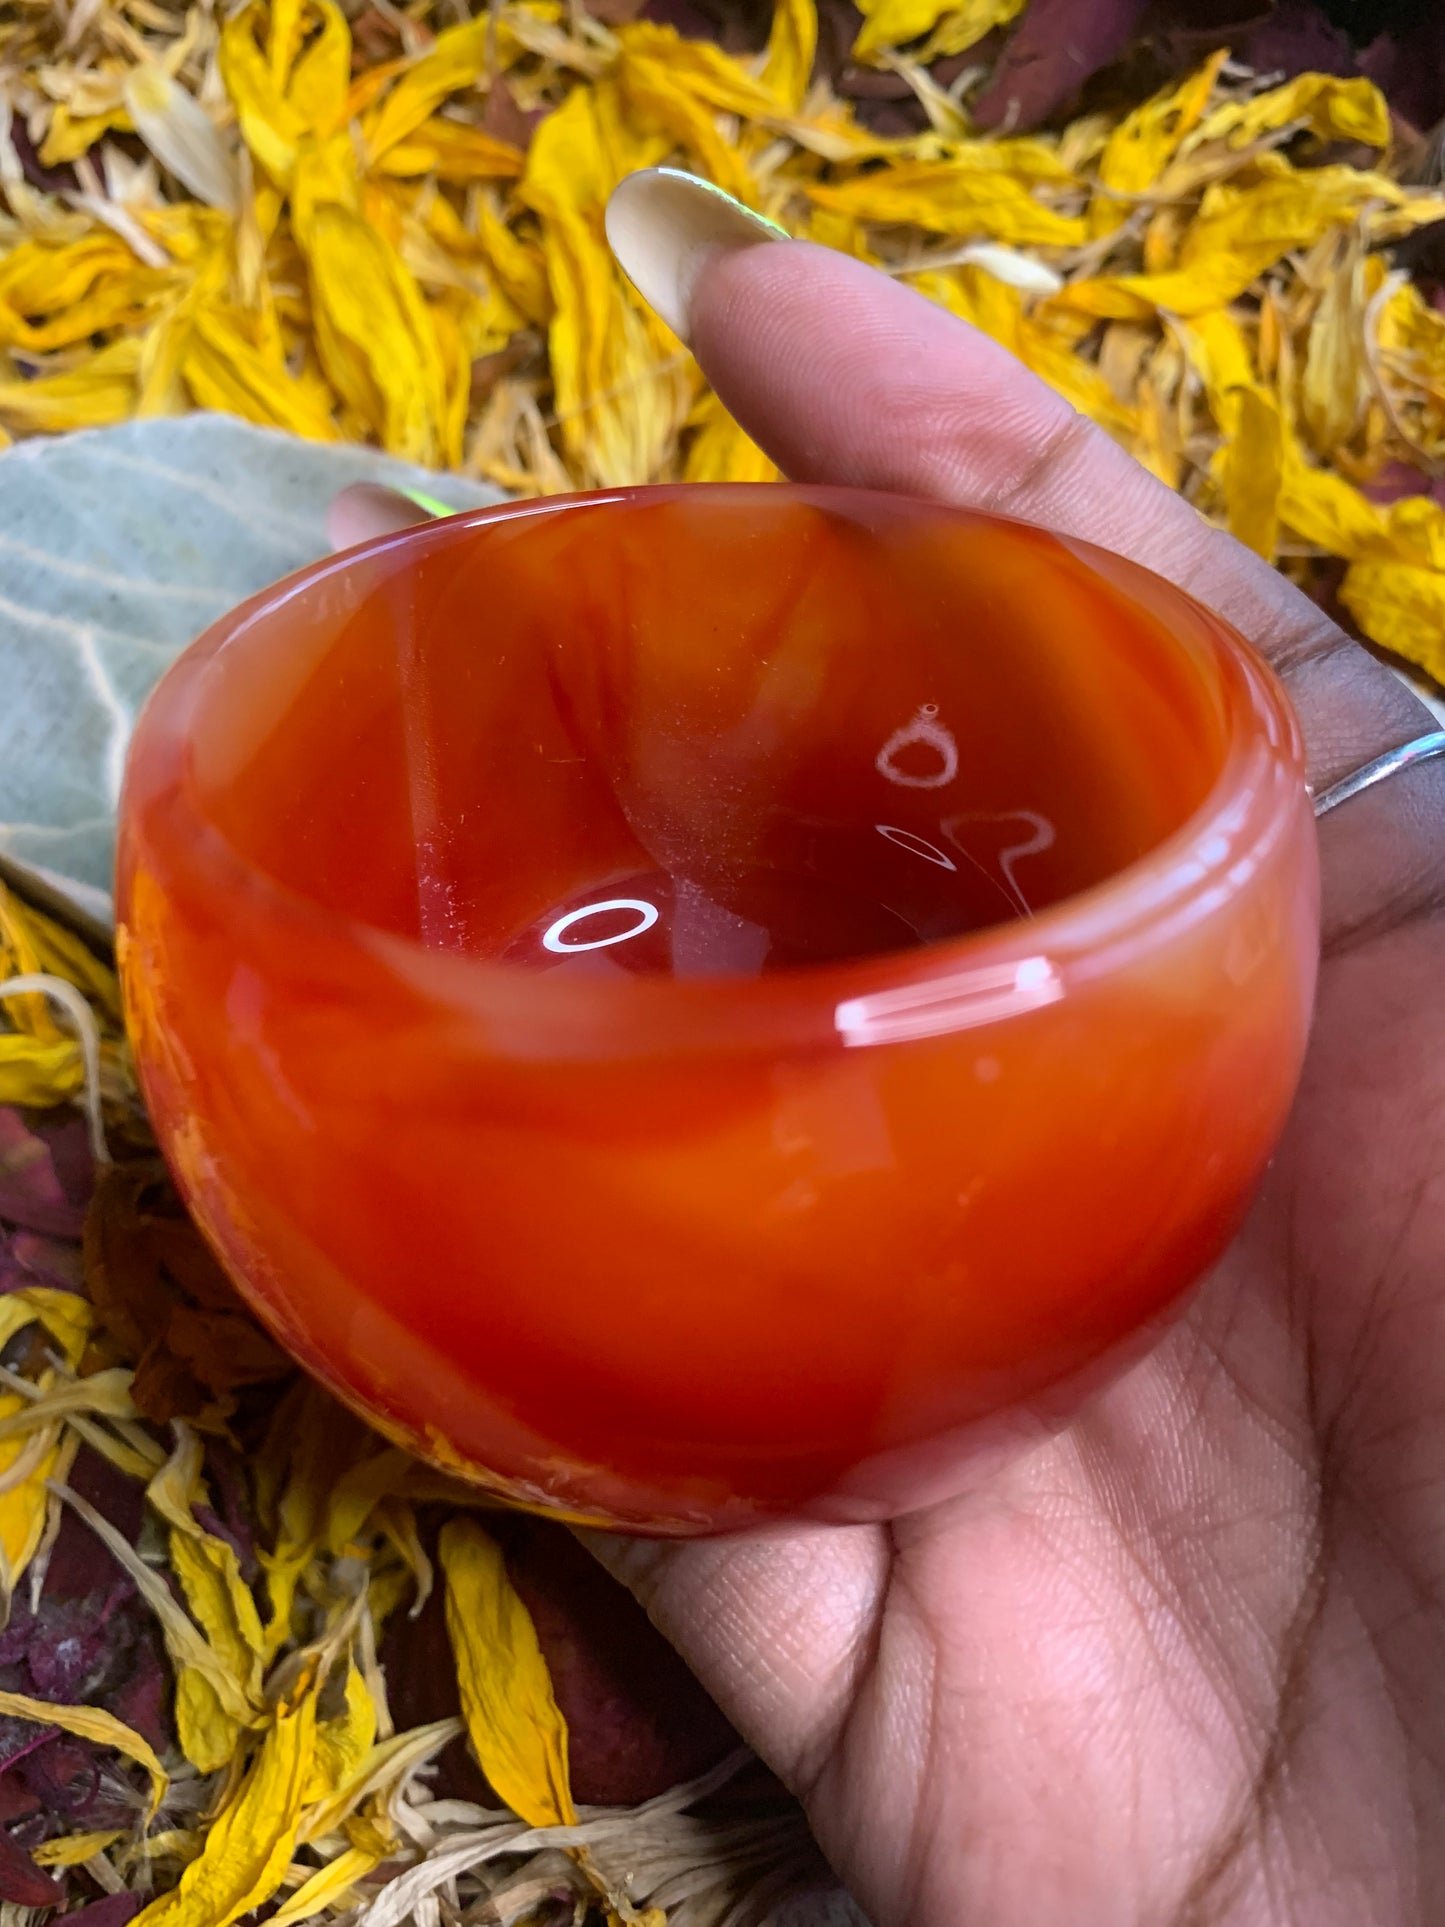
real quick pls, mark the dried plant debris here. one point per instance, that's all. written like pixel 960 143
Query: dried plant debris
pixel 383 225
pixel 253 1658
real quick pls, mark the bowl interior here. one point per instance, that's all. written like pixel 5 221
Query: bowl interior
pixel 797 725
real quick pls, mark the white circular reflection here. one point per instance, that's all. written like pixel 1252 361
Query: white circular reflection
pixel 647 914
pixel 918 845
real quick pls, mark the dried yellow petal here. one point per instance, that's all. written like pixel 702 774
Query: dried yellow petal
pixel 328 1889
pixel 249 1845
pixel 1401 606
pixel 74 1849
pixel 71 135
pixel 1238 233
pixel 457 58
pixel 703 70
pixel 619 399
pixel 1332 109
pixel 210 1578
pixel 343 1744
pixel 1142 145
pixel 186 1646
pixel 40 946
pixel 66 1316
pixel 960 24
pixel 1216 348
pixel 721 451
pixel 374 333
pixel 385 1767
pixel 513 1723
pixel 792 43
pixel 319 89
pixel 1253 471
pixel 182 136
pixel 963 201
pixel 223 370
pixel 98 393
pixel 1330 512
pixel 91 1723
pixel 1417 530
pixel 36 1074
pixel 453 152
pixel 270 126
pixel 1336 383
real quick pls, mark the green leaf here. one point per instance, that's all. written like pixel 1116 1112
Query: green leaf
pixel 118 546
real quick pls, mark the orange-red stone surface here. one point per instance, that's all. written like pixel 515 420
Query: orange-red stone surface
pixel 704 1003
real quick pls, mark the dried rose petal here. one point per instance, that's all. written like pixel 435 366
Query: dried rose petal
pixel 65 1777
pixel 21 1881
pixel 28 1258
pixel 16 1799
pixel 1409 69
pixel 112 1911
pixel 19 1738
pixel 1057 46
pixel 43 1186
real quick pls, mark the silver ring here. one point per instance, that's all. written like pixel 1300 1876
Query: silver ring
pixel 1393 760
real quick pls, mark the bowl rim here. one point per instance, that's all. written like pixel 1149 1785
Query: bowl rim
pixel 982 975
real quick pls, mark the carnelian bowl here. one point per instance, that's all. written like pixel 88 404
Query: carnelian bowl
pixel 698 1004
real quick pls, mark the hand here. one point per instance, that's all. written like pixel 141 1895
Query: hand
pixel 1184 1664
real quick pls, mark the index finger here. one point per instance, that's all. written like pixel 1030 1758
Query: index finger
pixel 843 375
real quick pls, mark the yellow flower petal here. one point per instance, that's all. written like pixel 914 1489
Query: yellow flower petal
pixel 1332 109
pixel 98 393
pixel 1253 471
pixel 91 1723
pixel 516 1731
pixel 249 1845
pixel 1142 145
pixel 721 452
pixel 210 1579
pixel 270 125
pixel 385 1767
pixel 1239 232
pixel 457 58
pixel 1401 606
pixel 36 1074
pixel 965 202
pixel 961 24
pixel 453 152
pixel 1330 512
pixel 182 136
pixel 328 1889
pixel 792 43
pixel 74 1849
pixel 343 1743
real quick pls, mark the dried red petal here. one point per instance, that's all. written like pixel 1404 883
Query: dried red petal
pixel 21 1881
pixel 1056 47
pixel 45 1173
pixel 638 1721
pixel 16 1799
pixel 112 1911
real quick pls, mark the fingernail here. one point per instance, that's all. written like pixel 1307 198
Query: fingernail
pixel 366 509
pixel 664 226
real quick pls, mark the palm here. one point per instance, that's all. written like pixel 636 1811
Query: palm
pixel 1170 1668
pixel 1185 1662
